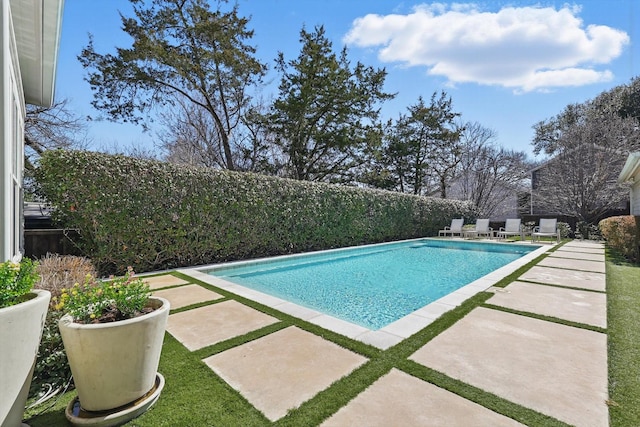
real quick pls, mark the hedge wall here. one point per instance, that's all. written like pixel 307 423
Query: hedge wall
pixel 153 215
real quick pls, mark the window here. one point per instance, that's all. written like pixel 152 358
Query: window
pixel 17 160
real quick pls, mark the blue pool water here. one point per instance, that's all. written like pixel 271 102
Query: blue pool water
pixel 375 285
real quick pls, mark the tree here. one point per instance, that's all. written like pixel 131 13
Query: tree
pixel 380 169
pixel 405 168
pixel 550 135
pixel 630 100
pixel 445 150
pixel 581 179
pixel 326 112
pixel 407 151
pixel 259 151
pixel 48 128
pixel 489 176
pixel 588 144
pixel 616 105
pixel 189 136
pixel 422 149
pixel 184 53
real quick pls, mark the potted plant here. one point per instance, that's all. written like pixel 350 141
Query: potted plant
pixel 112 333
pixel 22 316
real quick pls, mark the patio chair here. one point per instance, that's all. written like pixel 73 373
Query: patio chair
pixel 481 229
pixel 548 228
pixel 455 228
pixel 513 227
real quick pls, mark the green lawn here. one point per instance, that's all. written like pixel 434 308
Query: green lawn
pixel 623 289
pixel 194 395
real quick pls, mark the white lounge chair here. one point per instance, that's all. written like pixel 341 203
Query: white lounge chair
pixel 455 228
pixel 513 227
pixel 481 229
pixel 548 228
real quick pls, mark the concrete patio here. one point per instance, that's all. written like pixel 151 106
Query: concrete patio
pixel 523 354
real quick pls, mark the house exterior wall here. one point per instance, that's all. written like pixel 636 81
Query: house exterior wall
pixel 635 196
pixel 630 174
pixel 12 112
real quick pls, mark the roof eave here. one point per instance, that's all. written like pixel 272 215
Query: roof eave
pixel 37 26
pixel 630 169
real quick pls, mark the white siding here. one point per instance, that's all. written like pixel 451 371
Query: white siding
pixel 635 196
pixel 12 110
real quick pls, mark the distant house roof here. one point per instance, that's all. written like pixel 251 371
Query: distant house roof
pixel 37 25
pixel 631 168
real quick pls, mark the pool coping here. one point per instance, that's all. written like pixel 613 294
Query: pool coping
pixel 390 334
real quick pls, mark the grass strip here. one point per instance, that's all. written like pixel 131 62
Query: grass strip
pixel 401 352
pixel 329 401
pixel 488 400
pixel 623 311
pixel 570 288
pixel 239 340
pixel 363 349
pixel 197 305
pixel 519 272
pixel 195 395
pixel 547 318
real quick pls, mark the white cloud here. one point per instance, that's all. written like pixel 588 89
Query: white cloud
pixel 524 48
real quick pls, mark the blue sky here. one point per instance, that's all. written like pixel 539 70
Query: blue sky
pixel 505 64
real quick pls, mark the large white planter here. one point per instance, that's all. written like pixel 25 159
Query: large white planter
pixel 115 363
pixel 20 332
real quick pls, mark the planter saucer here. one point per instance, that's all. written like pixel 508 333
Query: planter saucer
pixel 79 417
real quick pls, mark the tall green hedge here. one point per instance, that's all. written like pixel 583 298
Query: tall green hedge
pixel 622 233
pixel 153 215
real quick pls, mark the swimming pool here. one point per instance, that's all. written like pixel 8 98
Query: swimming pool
pixel 375 285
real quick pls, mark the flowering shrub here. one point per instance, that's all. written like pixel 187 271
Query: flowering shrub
pixel 564 229
pixel 16 280
pixel 622 234
pixel 155 216
pixel 107 301
pixel 585 230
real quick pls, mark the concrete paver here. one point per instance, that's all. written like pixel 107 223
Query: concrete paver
pixel 214 323
pixel 163 281
pixel 571 278
pixel 583 244
pixel 280 371
pixel 582 247
pixel 579 249
pixel 555 369
pixel 184 296
pixel 574 305
pixel 578 255
pixel 573 264
pixel 399 399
